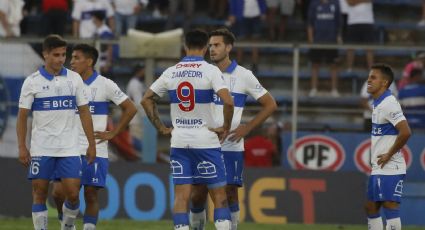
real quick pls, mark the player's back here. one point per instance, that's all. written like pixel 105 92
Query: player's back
pixel 190 85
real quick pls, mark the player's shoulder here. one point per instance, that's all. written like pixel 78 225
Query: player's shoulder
pixel 72 74
pixel 390 103
pixel 243 72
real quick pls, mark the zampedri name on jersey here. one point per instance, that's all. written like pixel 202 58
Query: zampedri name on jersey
pixel 187 73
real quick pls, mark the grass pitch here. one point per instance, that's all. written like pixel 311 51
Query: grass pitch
pixel 26 224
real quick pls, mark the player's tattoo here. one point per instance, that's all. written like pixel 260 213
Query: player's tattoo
pixel 152 111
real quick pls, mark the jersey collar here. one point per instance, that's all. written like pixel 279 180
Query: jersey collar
pixel 91 78
pixel 49 76
pixel 231 67
pixel 381 98
pixel 192 58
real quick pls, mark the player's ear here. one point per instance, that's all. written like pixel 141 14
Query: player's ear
pixel 45 54
pixel 229 48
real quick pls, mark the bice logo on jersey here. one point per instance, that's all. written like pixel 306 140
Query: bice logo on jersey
pixel 362 156
pixel 58 104
pixel 316 152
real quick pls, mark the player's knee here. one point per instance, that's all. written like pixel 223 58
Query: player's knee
pixel 90 196
pixel 371 208
pixel 232 194
pixel 39 194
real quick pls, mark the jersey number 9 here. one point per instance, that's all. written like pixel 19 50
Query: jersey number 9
pixel 186 96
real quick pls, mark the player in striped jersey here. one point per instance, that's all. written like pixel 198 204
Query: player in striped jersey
pixel 196 157
pixel 241 83
pixel 390 132
pixel 52 94
pixel 101 92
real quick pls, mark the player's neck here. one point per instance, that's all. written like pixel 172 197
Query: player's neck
pixel 379 93
pixel 224 64
pixel 196 53
pixel 52 71
pixel 87 74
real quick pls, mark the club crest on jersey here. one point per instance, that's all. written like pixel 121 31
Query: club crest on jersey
pixel 93 94
pixel 70 87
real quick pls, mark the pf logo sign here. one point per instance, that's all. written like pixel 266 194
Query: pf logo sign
pixel 316 152
pixel 362 156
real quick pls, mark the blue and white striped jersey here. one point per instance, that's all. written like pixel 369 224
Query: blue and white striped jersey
pixel 53 100
pixel 241 83
pixel 101 91
pixel 385 116
pixel 191 85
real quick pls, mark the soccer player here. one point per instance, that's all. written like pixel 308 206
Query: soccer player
pixel 241 82
pixel 196 157
pixel 52 94
pixel 102 91
pixel 390 132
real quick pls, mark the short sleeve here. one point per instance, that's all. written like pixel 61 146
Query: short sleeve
pixel 81 92
pixel 217 80
pixel 392 112
pixel 27 95
pixel 253 86
pixel 115 94
pixel 160 85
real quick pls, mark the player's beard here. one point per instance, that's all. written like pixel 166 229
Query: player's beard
pixel 218 60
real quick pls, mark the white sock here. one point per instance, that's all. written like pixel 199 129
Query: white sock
pixel 394 224
pixel 235 219
pixel 223 224
pixel 89 226
pixel 197 220
pixel 181 227
pixel 69 216
pixel 39 219
pixel 375 223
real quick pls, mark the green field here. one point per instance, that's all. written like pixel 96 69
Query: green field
pixel 26 223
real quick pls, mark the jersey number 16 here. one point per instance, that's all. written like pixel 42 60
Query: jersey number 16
pixel 186 95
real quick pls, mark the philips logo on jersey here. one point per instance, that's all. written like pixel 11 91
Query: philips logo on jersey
pixel 181 121
pixel 54 103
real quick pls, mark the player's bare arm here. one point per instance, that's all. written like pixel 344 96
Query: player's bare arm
pixel 268 106
pixel 228 107
pixel 403 135
pixel 128 111
pixel 21 131
pixel 149 103
pixel 87 124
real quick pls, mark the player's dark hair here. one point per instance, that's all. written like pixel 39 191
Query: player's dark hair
pixel 228 37
pixel 386 71
pixel 196 39
pixel 88 51
pixel 53 41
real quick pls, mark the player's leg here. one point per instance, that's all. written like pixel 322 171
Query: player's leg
pixel 373 205
pixel 315 58
pixel 59 197
pixel 392 186
pixel 209 170
pixel 93 179
pixel 40 172
pixel 233 161
pixel 182 172
pixel 69 170
pixel 198 199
